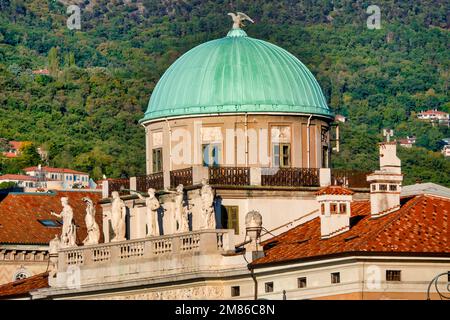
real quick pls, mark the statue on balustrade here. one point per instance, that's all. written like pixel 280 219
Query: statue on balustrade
pixel 153 205
pixel 54 245
pixel 118 213
pixel 93 231
pixel 69 229
pixel 208 214
pixel 180 211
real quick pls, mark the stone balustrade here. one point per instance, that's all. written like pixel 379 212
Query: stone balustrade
pixel 148 257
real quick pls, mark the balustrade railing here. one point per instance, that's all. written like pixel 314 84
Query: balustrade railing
pixel 290 177
pixel 144 248
pixel 181 176
pixel 350 178
pixel 237 176
pixel 154 180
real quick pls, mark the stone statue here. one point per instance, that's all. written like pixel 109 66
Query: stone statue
pixel 118 212
pixel 93 231
pixel 54 245
pixel 207 197
pixel 238 19
pixel 180 212
pixel 69 229
pixel 153 205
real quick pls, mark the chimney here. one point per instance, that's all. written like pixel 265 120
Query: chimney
pixel 385 184
pixel 335 210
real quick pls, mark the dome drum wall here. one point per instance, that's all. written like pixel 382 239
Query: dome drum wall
pixel 236 74
pixel 181 141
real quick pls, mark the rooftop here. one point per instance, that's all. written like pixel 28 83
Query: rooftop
pixel 334 190
pixel 20 214
pixel 236 74
pixel 21 177
pixel 21 288
pixel 55 170
pixel 420 227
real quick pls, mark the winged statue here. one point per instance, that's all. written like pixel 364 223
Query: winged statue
pixel 238 19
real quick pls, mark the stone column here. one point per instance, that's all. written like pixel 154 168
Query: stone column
pixel 325 177
pixel 255 176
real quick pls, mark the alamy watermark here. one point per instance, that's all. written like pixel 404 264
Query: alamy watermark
pixel 74 20
pixel 374 20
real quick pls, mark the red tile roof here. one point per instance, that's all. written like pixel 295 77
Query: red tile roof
pixel 334 190
pixel 420 226
pixel 56 170
pixel 21 288
pixel 20 177
pixel 19 214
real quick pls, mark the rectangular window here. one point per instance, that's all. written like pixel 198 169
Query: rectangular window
pixel 211 154
pixel 393 275
pixel 235 291
pixel 325 157
pixel 269 286
pixel 374 187
pixel 230 218
pixel 333 208
pixel 301 282
pixel 392 187
pixel 336 277
pixel 281 155
pixel 342 208
pixel 383 187
pixel 322 208
pixel 157 159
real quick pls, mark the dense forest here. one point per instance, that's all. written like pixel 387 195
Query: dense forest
pixel 85 112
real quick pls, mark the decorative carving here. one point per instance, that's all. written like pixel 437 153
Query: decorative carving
pixel 280 134
pixel 238 19
pixel 157 139
pixel 118 212
pixel 196 293
pixel 69 229
pixel 211 134
pixel 93 231
pixel 208 214
pixel 153 205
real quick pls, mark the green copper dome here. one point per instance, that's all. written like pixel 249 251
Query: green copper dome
pixel 236 74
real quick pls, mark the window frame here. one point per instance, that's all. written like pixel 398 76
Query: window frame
pixel 335 277
pixel 269 287
pixel 301 281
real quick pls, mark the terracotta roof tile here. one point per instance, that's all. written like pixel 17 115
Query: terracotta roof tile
pixel 20 212
pixel 56 170
pixel 419 226
pixel 21 288
pixel 334 190
pixel 20 177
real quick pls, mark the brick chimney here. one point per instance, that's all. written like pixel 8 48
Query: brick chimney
pixel 385 184
pixel 335 210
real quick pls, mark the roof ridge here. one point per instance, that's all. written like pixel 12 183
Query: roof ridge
pixel 400 212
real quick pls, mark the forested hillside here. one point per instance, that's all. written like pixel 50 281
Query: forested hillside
pixel 86 111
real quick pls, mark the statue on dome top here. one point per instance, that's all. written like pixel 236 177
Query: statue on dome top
pixel 238 19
